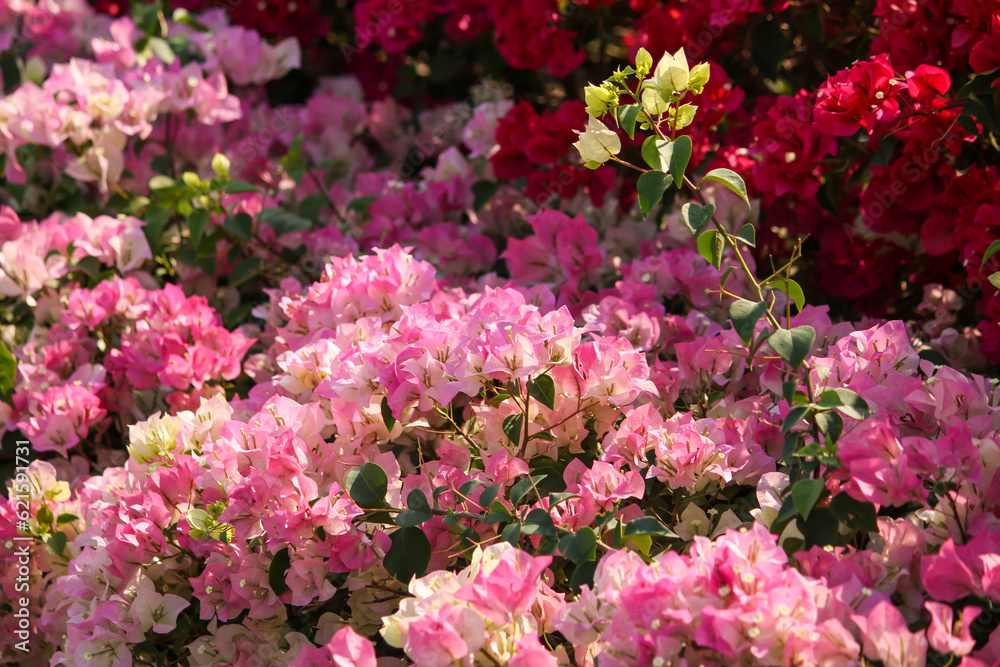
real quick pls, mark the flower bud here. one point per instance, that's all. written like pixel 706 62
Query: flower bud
pixel 699 77
pixel 220 165
pixel 643 62
pixel 599 99
pixel 597 144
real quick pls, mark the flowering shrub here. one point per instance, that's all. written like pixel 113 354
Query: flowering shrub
pixel 295 371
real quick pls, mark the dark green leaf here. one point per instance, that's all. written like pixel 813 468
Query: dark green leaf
pixel 651 186
pixel 793 345
pixel 240 225
pixel 409 554
pixel 768 45
pixel 583 575
pixel 483 191
pixel 367 486
pixel 745 315
pixel 846 401
pixel 830 424
pixel 361 205
pixel 543 390
pixel 581 547
pixel 857 514
pixel 240 187
pixel 697 217
pixel 156 219
pixel 276 572
pixel 245 270
pixel 647 525
pixel 679 158
pixel 287 222
pixel 66 518
pixel 387 417
pixel 498 513
pixel 793 417
pixel 512 427
pixel 312 206
pixel 748 235
pixel 992 250
pixel 539 522
pixel 511 534
pixel 820 529
pixel 489 494
pixel 57 542
pixel 521 492
pixel 731 180
pixel 196 225
pixel 788 388
pixel 805 493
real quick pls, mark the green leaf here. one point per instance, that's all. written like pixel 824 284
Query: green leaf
pixel 511 534
pixel 285 222
pixel 539 522
pixel 711 246
pixel 417 510
pixel 245 270
pixel 995 279
pixel 361 205
pixel 276 571
pixel 855 513
pixel 367 486
pixel 483 191
pixel 830 424
pixel 66 518
pixel 156 218
pixel 793 417
pixel 498 514
pixel 387 417
pixel 581 547
pixel 679 158
pixel 730 179
pixel 512 428
pixel 650 154
pixel 312 206
pixel 488 494
pixel 521 492
pixel 57 542
pixel 647 525
pixel 792 289
pixel 788 388
pixel 745 315
pixel 992 250
pixel 820 529
pixel 196 225
pixel 8 371
pixel 240 187
pixel 583 575
pixel 543 390
pixel 793 345
pixel 237 315
pixel 846 401
pixel 748 235
pixel 805 493
pixel 409 555
pixel 627 116
pixel 651 187
pixel 240 225
pixel 697 217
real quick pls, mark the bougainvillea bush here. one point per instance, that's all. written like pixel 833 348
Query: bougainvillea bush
pixel 493 332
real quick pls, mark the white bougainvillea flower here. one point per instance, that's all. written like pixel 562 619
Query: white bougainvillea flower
pixel 597 143
pixel 672 73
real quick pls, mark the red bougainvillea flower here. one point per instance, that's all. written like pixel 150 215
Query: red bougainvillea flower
pixel 858 97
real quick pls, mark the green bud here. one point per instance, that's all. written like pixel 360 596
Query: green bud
pixel 191 179
pixel 599 99
pixel 699 77
pixel 220 165
pixel 643 62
